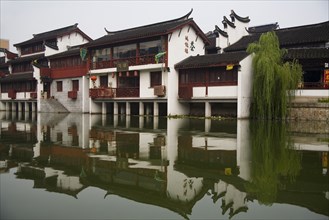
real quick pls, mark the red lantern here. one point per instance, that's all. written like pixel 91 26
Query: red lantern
pixel 135 73
pixel 93 78
pixel 127 73
pixel 120 74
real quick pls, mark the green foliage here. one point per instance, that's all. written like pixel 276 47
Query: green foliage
pixel 274 161
pixel 273 80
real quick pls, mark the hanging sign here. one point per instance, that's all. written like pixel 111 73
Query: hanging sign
pixel 326 78
pixel 122 66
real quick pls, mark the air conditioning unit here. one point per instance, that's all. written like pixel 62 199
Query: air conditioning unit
pixel 160 90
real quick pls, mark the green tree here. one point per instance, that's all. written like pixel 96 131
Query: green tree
pixel 273 80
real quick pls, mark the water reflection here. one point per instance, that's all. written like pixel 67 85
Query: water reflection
pixel 173 164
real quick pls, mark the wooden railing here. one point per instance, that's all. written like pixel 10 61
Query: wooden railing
pixel 185 92
pixel 66 72
pixel 110 93
pixel 132 61
pixel 313 85
pixel 12 93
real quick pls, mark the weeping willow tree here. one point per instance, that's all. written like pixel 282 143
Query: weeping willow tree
pixel 275 162
pixel 273 80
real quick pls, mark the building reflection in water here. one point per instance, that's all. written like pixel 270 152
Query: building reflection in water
pixel 169 163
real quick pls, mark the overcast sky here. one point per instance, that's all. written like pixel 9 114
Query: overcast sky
pixel 20 19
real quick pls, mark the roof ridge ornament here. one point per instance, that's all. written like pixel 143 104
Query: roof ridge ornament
pixel 220 31
pixel 226 22
pixel 234 16
pixel 185 17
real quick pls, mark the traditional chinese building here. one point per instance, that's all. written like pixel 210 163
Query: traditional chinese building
pixel 220 82
pixel 29 79
pixel 132 71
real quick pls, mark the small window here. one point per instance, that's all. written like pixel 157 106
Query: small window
pixel 156 78
pixel 104 81
pixel 59 86
pixel 75 85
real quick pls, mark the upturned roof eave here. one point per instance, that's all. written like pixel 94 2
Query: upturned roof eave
pixel 156 34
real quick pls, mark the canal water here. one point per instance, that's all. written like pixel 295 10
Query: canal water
pixel 80 166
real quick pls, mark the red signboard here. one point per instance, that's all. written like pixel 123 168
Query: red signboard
pixel 326 78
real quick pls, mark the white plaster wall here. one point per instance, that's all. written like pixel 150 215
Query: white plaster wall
pixel 243 149
pixel 216 92
pixel 73 105
pixel 72 39
pixel 176 53
pixel 245 87
pixel 36 75
pixel 221 42
pixel 312 93
pixel 145 81
pixel 239 31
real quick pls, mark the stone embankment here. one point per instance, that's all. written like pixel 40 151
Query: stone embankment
pixel 309 111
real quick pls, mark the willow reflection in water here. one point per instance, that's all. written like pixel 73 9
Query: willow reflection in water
pixel 176 168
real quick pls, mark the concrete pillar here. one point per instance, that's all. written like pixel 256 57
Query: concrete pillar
pixel 13 106
pixel 155 109
pixel 207 111
pixel 2 106
pixel 155 122
pixel 104 108
pixel 19 106
pixel 26 107
pixel 141 108
pixel 127 108
pixel 128 119
pixel 141 122
pixel 8 107
pixel 207 125
pixel 34 107
pixel 115 108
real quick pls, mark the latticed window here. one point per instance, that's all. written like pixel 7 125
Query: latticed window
pixel 155 78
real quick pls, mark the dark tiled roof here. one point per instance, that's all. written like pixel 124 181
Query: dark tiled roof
pixel 70 52
pixel 242 19
pixel 53 34
pixel 27 58
pixel 263 28
pixel 17 77
pixel 142 32
pixel 308 34
pixel 307 53
pixel 211 60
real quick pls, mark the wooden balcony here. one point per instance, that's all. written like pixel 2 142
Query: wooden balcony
pixel 185 92
pixel 72 94
pixel 67 72
pixel 110 93
pixel 12 93
pixel 313 85
pixel 132 61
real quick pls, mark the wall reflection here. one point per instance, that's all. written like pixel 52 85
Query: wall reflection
pixel 169 163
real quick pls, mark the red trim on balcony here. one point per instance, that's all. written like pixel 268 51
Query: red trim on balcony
pixel 12 93
pixel 110 93
pixel 69 72
pixel 45 72
pixel 185 92
pixel 132 61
